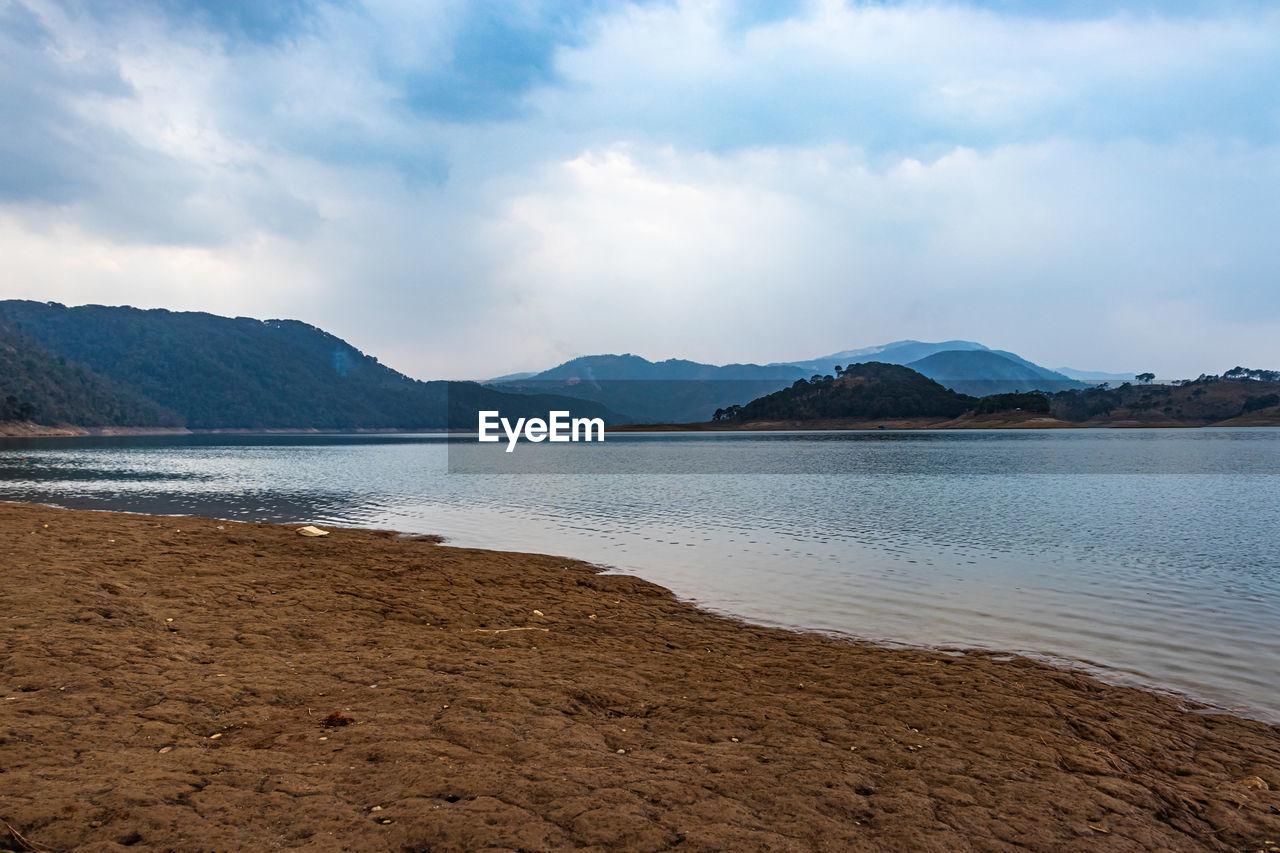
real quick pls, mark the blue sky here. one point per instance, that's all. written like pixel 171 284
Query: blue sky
pixel 472 188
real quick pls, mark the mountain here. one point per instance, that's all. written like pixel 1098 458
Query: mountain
pixel 37 385
pixel 680 391
pixel 671 391
pixel 210 372
pixel 983 372
pixel 868 391
pixel 898 352
pixel 965 366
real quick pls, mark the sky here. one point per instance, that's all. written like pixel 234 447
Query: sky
pixel 466 188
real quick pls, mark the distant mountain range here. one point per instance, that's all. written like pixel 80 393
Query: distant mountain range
pixel 679 391
pixel 96 366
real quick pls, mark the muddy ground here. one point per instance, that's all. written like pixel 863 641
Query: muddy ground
pixel 189 684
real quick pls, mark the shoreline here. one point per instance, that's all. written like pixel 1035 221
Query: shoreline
pixel 1111 676
pixel 522 700
pixel 31 430
pixel 983 422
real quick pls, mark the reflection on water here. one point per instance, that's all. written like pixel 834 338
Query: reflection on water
pixel 1152 554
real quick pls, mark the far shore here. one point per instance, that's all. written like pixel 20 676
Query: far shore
pixel 26 429
pixel 999 421
pixel 189 683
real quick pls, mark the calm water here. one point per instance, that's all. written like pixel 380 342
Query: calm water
pixel 1151 554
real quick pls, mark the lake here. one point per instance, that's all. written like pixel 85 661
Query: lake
pixel 1149 556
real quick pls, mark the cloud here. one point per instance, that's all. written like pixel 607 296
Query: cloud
pixel 468 188
pixel 904 78
pixel 1038 247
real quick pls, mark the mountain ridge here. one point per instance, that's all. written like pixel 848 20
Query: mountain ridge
pixel 680 390
pixel 241 373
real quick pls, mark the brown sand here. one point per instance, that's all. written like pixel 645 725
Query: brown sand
pixel 618 719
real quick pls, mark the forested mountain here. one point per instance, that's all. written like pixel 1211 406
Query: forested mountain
pixel 95 366
pixel 860 392
pixel 37 385
pixel 212 372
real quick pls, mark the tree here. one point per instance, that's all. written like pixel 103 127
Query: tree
pixel 1145 378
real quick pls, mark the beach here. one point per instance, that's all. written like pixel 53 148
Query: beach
pixel 193 684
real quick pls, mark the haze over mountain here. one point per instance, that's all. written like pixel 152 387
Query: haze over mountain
pixel 671 391
pixel 633 367
pixel 898 352
pixel 982 372
pixel 100 366
pixel 1095 375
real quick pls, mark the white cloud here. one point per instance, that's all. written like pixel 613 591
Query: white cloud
pixel 684 186
pixel 771 254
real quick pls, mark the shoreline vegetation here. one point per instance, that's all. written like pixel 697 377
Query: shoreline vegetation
pixel 183 683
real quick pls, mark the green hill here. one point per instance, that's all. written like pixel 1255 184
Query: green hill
pixel 861 391
pixel 209 372
pixel 36 385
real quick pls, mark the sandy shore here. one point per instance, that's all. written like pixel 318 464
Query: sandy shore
pixel 165 684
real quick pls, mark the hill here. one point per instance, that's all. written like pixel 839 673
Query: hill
pixel 861 392
pixel 1232 399
pixel 674 390
pixel 983 372
pixel 210 372
pixel 38 386
pixel 907 399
